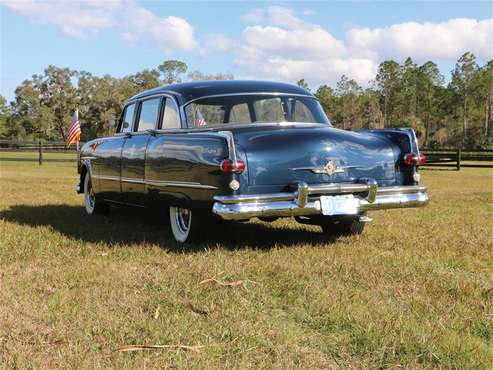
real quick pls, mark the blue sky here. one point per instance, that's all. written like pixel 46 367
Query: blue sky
pixel 318 41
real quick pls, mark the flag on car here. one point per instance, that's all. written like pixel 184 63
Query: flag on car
pixel 199 119
pixel 74 131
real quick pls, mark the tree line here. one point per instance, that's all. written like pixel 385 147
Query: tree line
pixel 457 113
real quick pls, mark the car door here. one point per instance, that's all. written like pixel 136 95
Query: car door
pixel 107 167
pixel 134 151
pixel 159 166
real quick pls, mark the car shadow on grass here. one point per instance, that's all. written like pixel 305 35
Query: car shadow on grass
pixel 143 228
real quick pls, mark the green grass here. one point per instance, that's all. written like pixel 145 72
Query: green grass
pixel 414 291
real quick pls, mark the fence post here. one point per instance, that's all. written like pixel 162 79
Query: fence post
pixel 459 155
pixel 40 158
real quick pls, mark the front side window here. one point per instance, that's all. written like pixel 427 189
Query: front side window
pixel 149 112
pixel 128 116
pixel 171 118
pixel 242 109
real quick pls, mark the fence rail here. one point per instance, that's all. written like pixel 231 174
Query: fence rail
pixel 453 158
pixel 457 157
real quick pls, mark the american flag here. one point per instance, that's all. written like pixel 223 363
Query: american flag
pixel 199 120
pixel 73 135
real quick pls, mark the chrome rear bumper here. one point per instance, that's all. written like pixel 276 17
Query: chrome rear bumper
pixel 306 200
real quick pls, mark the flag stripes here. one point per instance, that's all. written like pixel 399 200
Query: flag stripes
pixel 74 130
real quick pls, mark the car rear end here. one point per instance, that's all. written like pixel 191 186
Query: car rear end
pixel 311 171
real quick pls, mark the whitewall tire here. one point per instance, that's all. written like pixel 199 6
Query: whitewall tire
pixel 91 202
pixel 184 224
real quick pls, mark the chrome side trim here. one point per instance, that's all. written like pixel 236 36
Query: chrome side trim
pixel 303 203
pixel 108 178
pixel 158 183
pixel 179 184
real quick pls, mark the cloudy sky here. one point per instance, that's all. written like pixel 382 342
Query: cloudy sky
pixel 287 41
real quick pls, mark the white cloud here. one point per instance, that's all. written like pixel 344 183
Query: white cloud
pixel 280 45
pixel 88 17
pixel 216 43
pixel 139 24
pixel 73 19
pixel 423 41
pixel 285 47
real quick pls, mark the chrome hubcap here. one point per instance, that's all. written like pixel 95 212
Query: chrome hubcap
pixel 183 219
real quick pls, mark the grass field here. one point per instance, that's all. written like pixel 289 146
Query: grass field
pixel 414 291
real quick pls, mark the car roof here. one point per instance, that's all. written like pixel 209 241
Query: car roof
pixel 188 91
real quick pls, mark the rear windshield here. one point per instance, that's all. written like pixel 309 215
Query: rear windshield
pixel 243 109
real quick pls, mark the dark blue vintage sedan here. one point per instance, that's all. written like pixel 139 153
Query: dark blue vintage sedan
pixel 235 150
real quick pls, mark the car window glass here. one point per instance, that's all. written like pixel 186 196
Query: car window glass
pixel 201 115
pixel 249 108
pixel 300 112
pixel 149 112
pixel 128 118
pixel 240 113
pixel 171 119
pixel 269 110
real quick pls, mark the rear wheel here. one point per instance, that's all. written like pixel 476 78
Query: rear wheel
pixel 92 203
pixel 185 224
pixel 342 226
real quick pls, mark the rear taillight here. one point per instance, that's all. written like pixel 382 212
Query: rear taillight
pixel 227 166
pixel 412 159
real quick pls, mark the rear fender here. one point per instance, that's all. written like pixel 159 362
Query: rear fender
pixel 405 139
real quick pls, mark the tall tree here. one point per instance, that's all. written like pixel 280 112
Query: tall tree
pixel 462 77
pixel 429 79
pixel 303 84
pixel 172 70
pixel 348 92
pixel 146 79
pixel 388 84
pixel 5 113
pixel 200 76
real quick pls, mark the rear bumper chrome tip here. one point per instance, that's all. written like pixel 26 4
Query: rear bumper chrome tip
pixel 306 201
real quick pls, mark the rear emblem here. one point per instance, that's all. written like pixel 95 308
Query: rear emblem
pixel 330 168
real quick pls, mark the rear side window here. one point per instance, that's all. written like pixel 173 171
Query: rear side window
pixel 171 119
pixel 240 113
pixel 149 112
pixel 300 112
pixel 269 110
pixel 128 117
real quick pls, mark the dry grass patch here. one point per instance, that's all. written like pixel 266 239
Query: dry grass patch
pixel 415 290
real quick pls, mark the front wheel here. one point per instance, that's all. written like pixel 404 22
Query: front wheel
pixel 342 227
pixel 91 203
pixel 185 224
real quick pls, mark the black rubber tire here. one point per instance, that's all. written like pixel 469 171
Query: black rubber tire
pixel 342 227
pixel 186 225
pixel 92 204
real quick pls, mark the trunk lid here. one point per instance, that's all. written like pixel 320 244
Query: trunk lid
pixel 278 155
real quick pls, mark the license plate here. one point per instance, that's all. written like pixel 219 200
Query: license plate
pixel 339 205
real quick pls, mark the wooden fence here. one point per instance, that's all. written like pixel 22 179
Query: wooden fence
pixel 452 158
pixel 457 158
pixel 38 148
